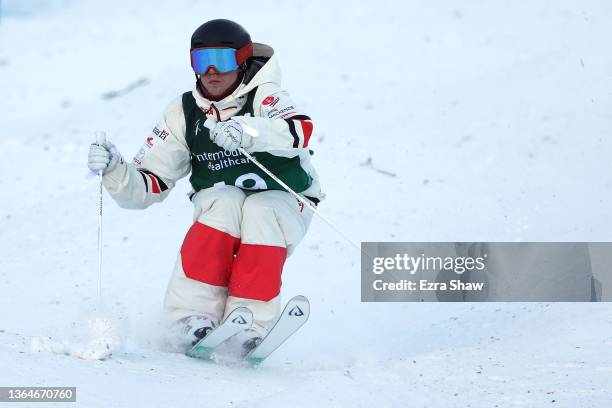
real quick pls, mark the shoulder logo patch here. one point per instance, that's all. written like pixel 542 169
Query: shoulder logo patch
pixel 268 100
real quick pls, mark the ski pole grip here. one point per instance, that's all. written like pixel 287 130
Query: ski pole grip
pixel 101 137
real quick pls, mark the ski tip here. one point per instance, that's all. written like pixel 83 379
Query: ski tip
pixel 300 298
pixel 241 310
pixel 240 316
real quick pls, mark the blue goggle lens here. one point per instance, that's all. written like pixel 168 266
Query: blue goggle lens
pixel 223 59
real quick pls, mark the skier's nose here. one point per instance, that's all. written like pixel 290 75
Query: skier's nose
pixel 211 70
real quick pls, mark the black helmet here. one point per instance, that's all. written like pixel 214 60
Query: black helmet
pixel 220 33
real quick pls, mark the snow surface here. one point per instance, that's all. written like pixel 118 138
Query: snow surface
pixel 444 121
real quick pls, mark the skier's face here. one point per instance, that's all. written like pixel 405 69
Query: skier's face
pixel 218 84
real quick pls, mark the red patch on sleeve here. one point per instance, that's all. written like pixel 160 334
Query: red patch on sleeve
pixel 268 100
pixel 307 130
pixel 154 185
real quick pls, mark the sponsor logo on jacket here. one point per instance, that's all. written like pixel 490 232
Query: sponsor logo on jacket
pixel 270 101
pixel 282 112
pixel 162 134
pixel 139 158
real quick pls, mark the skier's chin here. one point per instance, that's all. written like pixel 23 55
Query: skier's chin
pixel 217 92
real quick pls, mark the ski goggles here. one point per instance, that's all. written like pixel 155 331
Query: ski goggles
pixel 223 59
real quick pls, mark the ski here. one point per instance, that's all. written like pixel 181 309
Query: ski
pixel 294 315
pixel 240 319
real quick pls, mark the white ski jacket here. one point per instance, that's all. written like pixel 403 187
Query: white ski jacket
pixel 165 157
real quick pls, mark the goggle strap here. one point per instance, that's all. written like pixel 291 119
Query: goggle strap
pixel 244 53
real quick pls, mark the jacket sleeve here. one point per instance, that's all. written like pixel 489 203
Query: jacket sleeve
pixel 280 125
pixel 158 165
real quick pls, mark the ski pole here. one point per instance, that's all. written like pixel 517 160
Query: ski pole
pixel 101 140
pixel 210 124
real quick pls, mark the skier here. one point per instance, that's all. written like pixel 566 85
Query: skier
pixel 245 224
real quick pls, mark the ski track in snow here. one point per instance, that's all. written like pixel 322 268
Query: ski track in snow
pixel 496 127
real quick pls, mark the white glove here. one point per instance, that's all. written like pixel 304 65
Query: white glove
pixel 228 135
pixel 102 157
